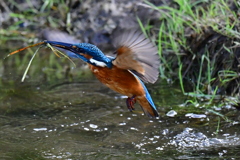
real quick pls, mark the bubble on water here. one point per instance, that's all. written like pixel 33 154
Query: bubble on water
pixel 159 148
pixel 138 146
pixel 97 130
pixel 59 157
pixel 185 122
pixel 93 126
pixel 122 124
pixel 192 115
pixel 226 135
pixel 220 154
pixel 157 137
pixel 135 129
pixel 171 113
pixel 165 132
pixel 39 129
pixel 86 129
pixel 74 124
pixel 151 139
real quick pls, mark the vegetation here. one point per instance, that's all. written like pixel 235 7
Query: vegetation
pixel 199 45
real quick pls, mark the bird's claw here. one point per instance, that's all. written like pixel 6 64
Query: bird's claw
pixel 130 103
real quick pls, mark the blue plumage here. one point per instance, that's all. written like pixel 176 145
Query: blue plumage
pixel 93 51
pixel 148 97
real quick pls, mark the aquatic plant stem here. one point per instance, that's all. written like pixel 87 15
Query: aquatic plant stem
pixel 55 51
pixel 19 50
pixel 29 64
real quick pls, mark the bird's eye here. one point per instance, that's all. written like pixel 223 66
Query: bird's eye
pixel 79 50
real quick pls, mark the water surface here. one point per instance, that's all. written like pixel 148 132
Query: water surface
pixel 75 118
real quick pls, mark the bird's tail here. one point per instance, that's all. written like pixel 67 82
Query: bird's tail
pixel 146 102
pixel 148 107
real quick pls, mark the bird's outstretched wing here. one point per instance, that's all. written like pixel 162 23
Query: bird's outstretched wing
pixel 136 53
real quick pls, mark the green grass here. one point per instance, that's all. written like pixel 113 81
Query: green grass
pixel 182 26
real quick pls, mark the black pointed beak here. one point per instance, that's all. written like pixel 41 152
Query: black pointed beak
pixel 66 46
pixel 70 49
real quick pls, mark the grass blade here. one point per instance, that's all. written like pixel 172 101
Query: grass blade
pixel 55 51
pixel 29 64
pixel 19 50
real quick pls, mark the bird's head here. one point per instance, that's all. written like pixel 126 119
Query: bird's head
pixel 85 51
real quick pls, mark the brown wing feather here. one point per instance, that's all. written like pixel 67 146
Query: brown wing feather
pixel 137 53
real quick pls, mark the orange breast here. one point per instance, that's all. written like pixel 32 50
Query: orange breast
pixel 119 80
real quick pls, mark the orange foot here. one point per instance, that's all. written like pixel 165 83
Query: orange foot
pixel 130 103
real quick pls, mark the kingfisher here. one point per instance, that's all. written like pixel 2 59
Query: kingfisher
pixel 136 61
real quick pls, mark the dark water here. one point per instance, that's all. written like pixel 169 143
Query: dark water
pixel 82 119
